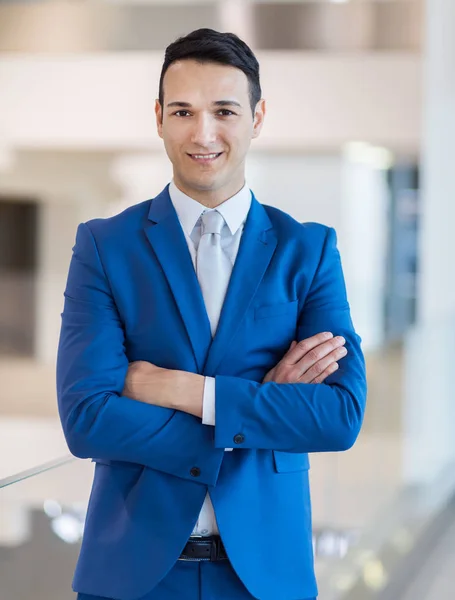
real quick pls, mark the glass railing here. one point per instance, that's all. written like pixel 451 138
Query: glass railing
pixel 394 546
pixel 411 391
pixel 42 515
pixel 36 470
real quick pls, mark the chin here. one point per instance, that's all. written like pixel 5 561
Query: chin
pixel 203 185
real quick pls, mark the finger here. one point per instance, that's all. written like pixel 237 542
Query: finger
pixel 301 348
pixel 323 376
pixel 321 365
pixel 313 356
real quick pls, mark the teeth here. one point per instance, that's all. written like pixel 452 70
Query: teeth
pixel 205 155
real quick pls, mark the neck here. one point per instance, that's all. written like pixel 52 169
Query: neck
pixel 210 198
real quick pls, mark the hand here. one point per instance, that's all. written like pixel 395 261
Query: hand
pixel 310 361
pixel 167 388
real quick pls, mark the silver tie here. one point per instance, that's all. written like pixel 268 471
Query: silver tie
pixel 212 266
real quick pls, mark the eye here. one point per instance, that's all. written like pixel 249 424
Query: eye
pixel 179 113
pixel 225 112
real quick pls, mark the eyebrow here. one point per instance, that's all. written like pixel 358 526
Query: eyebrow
pixel 216 103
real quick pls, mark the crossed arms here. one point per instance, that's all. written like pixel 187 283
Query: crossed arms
pixel 308 361
pixel 288 411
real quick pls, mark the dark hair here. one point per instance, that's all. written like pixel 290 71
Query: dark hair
pixel 210 46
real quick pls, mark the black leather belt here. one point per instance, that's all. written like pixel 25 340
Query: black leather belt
pixel 204 548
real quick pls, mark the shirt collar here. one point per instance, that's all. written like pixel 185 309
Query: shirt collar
pixel 234 210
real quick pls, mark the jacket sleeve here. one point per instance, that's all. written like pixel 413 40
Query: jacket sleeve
pixel 302 417
pixel 98 422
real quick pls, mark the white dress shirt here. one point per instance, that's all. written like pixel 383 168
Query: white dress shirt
pixel 234 211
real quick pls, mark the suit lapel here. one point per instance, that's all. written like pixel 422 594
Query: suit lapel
pixel 255 253
pixel 169 244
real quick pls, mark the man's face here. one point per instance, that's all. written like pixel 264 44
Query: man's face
pixel 207 126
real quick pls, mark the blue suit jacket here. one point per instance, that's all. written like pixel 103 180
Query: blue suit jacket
pixel 132 294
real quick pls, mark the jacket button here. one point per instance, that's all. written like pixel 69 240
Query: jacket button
pixel 239 438
pixel 195 471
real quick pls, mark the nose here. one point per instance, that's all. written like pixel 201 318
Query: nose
pixel 204 131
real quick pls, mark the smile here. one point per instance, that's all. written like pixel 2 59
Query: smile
pixel 205 158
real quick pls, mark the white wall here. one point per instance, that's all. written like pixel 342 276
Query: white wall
pixel 307 187
pixel 429 407
pixel 315 101
pixel 363 245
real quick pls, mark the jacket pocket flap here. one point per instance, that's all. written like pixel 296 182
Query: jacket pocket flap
pixel 102 461
pixel 275 310
pixel 117 463
pixel 287 462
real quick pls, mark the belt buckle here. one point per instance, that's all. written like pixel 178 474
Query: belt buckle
pixel 215 549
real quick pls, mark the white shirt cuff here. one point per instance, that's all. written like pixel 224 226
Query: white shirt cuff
pixel 208 402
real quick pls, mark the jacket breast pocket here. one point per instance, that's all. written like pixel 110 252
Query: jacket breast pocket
pixel 288 462
pixel 276 310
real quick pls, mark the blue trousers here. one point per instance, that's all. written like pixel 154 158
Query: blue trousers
pixel 189 580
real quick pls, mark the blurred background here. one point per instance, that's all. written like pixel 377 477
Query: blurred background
pixel 359 135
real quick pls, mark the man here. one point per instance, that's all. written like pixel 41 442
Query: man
pixel 198 361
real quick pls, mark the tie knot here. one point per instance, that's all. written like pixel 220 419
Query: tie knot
pixel 212 222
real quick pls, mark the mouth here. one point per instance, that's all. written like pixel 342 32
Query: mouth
pixel 205 159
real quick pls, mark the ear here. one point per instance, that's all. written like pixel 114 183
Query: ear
pixel 259 116
pixel 159 118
